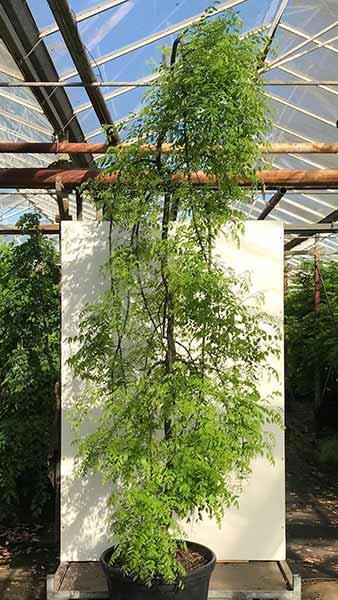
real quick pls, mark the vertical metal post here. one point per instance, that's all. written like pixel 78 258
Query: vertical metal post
pixel 62 200
pixel 286 277
pixel 317 390
pixel 289 396
pixel 57 438
pixel 79 205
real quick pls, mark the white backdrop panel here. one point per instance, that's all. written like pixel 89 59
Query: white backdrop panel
pixel 255 531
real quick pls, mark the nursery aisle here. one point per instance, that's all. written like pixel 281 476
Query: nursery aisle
pixel 312 510
pixel 27 553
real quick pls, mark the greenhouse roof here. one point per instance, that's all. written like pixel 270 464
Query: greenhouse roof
pixel 121 41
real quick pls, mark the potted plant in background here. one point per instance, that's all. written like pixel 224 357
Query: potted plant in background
pixel 173 351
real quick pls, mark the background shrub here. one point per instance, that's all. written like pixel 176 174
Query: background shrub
pixel 311 340
pixel 29 369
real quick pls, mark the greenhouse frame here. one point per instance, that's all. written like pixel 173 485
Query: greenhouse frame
pixel 73 74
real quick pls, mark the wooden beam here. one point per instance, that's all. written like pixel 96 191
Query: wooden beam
pixel 50 148
pixel 72 178
pixel 300 148
pixel 99 148
pixel 52 229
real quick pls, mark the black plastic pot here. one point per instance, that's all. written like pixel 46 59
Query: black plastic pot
pixel 196 582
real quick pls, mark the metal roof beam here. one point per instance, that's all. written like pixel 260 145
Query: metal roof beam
pixel 325 220
pixel 289 55
pixel 278 17
pixel 77 84
pixel 312 229
pixel 72 178
pixel 291 149
pixel 21 34
pixel 304 82
pixel 154 37
pixel 273 27
pixel 68 27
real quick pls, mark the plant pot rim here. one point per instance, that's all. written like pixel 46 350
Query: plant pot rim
pixel 194 574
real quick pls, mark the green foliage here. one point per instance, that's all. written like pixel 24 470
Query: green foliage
pixel 311 340
pixel 29 367
pixel 174 351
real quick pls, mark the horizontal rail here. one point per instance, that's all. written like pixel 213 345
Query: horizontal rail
pixel 52 229
pixel 308 229
pixel 72 178
pixel 134 84
pixel 302 82
pixel 100 148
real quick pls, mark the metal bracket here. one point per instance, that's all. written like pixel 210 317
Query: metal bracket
pixel 62 200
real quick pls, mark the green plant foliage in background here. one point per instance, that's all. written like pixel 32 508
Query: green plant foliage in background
pixel 311 340
pixel 29 369
pixel 174 351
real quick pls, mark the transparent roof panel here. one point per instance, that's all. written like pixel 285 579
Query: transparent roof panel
pixel 311 15
pixel 283 41
pixel 42 13
pixel 59 52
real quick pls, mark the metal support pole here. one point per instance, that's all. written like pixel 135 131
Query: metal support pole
pixel 272 203
pixel 79 205
pixel 71 178
pixel 317 386
pixel 101 148
pixel 138 83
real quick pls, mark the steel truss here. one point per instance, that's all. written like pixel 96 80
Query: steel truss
pixel 20 34
pixel 68 28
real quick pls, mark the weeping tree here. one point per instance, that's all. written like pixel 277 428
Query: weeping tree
pixel 174 351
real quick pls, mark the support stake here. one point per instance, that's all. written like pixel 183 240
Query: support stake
pixel 317 394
